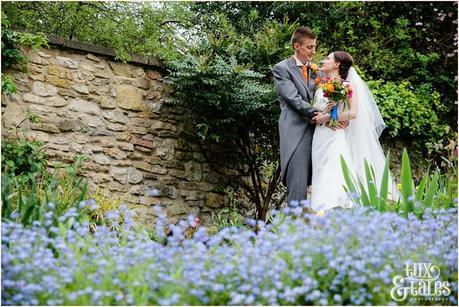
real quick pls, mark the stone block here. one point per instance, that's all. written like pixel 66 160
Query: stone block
pixel 36 59
pixel 39 136
pixel 116 127
pixel 119 174
pixel 126 146
pixel 88 66
pixel 159 125
pixel 100 178
pixel 55 101
pixel 193 195
pixel 129 98
pixel 93 121
pixel 53 70
pixel 115 153
pixel 137 130
pixel 102 74
pixel 134 176
pixel 122 163
pixel 177 174
pixel 193 171
pixel 174 209
pixel 48 127
pixel 195 203
pixel 43 89
pixel 116 117
pixel 168 181
pixel 93 58
pixel 121 69
pixel 156 169
pixel 43 54
pixel 66 93
pixel 143 143
pixel 142 165
pixel 102 159
pixel 67 62
pixel 82 89
pixel 84 106
pixel 107 103
pixel 165 149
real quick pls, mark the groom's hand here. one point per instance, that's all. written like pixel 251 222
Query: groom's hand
pixel 321 118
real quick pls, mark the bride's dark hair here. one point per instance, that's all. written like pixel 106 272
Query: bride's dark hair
pixel 345 61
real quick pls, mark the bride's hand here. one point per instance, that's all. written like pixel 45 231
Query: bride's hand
pixel 329 106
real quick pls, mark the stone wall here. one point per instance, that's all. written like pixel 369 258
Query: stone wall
pixel 114 114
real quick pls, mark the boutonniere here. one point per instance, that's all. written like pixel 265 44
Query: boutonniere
pixel 314 68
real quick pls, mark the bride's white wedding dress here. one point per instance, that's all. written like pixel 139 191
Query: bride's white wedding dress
pixel 327 177
pixel 357 143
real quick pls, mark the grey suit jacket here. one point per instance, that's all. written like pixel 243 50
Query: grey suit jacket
pixel 296 110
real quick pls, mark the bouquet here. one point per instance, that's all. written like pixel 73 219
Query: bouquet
pixel 337 92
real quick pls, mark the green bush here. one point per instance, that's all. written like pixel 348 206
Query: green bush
pixel 411 112
pixel 28 187
pixel 23 159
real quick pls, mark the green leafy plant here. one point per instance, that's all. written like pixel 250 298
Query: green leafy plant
pixel 428 194
pixel 411 113
pixel 26 200
pixel 226 217
pixel 28 186
pixel 11 53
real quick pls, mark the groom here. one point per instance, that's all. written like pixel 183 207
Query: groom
pixel 295 89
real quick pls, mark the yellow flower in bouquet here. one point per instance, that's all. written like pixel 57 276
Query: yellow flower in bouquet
pixel 330 87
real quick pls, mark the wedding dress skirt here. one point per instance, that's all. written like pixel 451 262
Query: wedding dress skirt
pixel 327 190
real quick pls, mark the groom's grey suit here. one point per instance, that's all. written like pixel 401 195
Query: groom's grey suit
pixel 295 130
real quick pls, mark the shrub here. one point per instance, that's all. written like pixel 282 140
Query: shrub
pixel 411 112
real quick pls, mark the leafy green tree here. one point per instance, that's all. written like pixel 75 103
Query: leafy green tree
pixel 147 28
pixel 233 105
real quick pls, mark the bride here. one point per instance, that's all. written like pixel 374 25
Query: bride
pixel 359 141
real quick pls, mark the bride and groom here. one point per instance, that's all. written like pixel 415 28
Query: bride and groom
pixel 310 148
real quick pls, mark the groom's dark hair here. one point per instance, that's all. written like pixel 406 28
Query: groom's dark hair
pixel 300 34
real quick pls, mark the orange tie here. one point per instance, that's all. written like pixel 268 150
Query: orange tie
pixel 304 70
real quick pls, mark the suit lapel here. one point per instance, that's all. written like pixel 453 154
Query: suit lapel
pixel 299 74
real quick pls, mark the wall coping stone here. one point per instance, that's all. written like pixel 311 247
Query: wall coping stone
pixel 100 50
pixel 87 47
